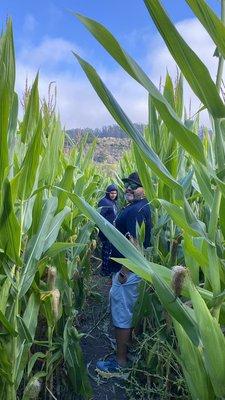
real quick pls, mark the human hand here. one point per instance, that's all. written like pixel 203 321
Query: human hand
pixel 122 277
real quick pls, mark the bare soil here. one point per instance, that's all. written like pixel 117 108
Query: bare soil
pixel 96 343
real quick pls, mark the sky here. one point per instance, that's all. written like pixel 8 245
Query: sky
pixel 46 33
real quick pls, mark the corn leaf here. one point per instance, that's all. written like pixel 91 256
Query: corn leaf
pixel 143 268
pixel 54 228
pixel 30 316
pixel 195 374
pixel 13 126
pixel 33 360
pixel 51 159
pixel 29 168
pixel 191 66
pixel 179 217
pixel 210 21
pixel 4 294
pixel 74 361
pixel 66 183
pixel 222 216
pixel 23 331
pixel 144 174
pixel 7 325
pixel 213 342
pixel 204 183
pixel 9 226
pixel 4 113
pixel 31 117
pixel 59 247
pixel 120 117
pixel 191 143
pixel 35 246
pixel 195 251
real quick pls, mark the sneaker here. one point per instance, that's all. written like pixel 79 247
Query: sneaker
pixel 110 369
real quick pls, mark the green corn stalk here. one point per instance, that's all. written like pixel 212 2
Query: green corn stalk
pixel 191 359
pixel 39 226
pixel 185 176
pixel 213 341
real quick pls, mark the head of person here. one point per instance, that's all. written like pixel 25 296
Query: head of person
pixel 133 188
pixel 112 192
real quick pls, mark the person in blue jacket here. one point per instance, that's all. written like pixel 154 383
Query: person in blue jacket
pixel 108 206
pixel 124 290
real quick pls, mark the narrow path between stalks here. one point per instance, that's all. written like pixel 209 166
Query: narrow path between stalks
pixel 96 344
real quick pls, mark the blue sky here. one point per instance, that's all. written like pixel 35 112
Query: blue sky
pixel 45 33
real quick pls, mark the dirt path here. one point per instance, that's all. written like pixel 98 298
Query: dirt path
pixel 96 344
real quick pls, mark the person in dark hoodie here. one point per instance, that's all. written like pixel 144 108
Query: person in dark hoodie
pixel 124 290
pixel 108 206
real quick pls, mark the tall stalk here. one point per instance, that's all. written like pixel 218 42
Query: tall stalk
pixel 214 264
pixel 15 340
pixel 221 59
pixel 219 144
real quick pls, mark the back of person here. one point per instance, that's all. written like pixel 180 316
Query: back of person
pixel 125 285
pixel 137 211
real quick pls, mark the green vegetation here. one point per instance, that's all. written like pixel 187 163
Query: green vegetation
pixel 184 179
pixel 45 244
pixel 48 218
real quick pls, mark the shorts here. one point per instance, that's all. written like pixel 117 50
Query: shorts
pixel 123 297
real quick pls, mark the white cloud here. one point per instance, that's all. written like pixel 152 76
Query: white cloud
pixel 159 59
pixel 49 54
pixel 78 104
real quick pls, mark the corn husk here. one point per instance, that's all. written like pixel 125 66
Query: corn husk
pixel 52 274
pixel 55 302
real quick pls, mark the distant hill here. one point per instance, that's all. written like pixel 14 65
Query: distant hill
pixel 112 141
pixel 113 131
pixel 109 150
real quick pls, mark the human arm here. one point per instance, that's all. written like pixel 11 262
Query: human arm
pixel 140 214
pixel 103 204
pixel 148 226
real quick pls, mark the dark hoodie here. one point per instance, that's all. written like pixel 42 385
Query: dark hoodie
pixel 109 207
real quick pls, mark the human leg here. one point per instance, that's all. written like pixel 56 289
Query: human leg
pixel 123 337
pixel 122 300
pixel 106 252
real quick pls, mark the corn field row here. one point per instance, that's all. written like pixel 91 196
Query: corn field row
pixel 48 216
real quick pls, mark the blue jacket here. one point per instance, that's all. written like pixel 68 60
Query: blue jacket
pixel 108 208
pixel 136 212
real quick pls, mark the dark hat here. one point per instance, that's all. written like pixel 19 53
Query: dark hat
pixel 111 188
pixel 134 178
